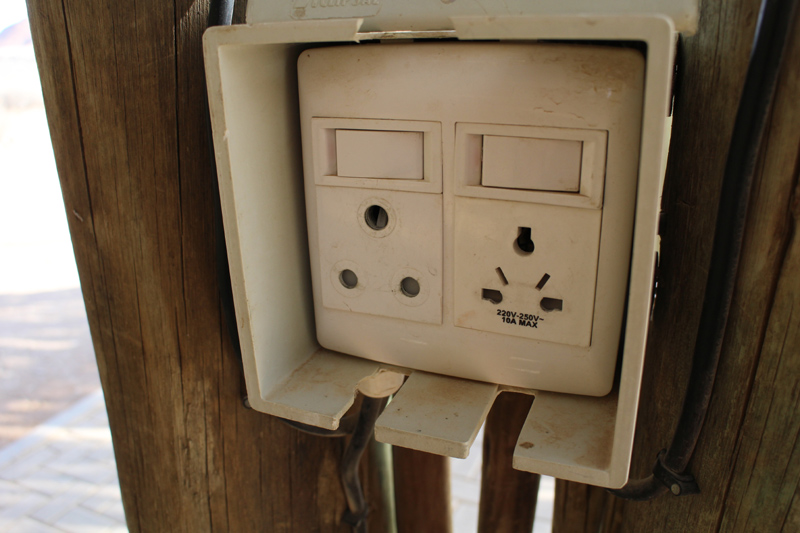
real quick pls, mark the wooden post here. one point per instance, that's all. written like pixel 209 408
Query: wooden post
pixel 580 507
pixel 747 461
pixel 508 496
pixel 422 491
pixel 124 90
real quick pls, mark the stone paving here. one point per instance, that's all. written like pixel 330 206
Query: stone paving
pixel 47 362
pixel 61 477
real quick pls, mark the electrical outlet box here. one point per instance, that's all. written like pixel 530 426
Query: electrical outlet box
pixel 467 171
pixel 504 176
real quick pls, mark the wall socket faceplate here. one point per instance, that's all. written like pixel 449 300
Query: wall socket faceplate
pixel 470 206
pixel 252 87
pixel 544 295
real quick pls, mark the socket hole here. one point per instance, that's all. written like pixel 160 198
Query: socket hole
pixel 552 304
pixel 500 273
pixel 409 287
pixel 348 279
pixel 376 217
pixel 491 295
pixel 524 244
pixel 545 279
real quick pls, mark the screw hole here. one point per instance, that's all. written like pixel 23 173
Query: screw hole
pixel 348 279
pixel 524 243
pixel 409 287
pixel 376 217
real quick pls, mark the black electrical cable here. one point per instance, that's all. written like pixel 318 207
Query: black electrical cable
pixel 772 29
pixel 220 13
pixel 360 430
pixel 357 508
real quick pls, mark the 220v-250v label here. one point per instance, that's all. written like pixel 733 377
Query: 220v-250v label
pixel 519 319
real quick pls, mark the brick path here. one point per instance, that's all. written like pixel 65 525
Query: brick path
pixel 61 477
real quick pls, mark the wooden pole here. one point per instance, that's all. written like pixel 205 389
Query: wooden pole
pixel 422 491
pixel 124 90
pixel 508 496
pixel 747 461
pixel 580 507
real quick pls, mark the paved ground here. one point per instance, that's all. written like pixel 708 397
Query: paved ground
pixel 46 358
pixel 61 477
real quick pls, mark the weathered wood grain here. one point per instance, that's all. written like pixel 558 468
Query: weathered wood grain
pixel 508 496
pixel 124 91
pixel 422 491
pixel 761 493
pixel 747 461
pixel 580 507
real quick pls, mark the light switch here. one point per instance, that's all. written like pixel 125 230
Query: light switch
pixel 532 164
pixel 379 154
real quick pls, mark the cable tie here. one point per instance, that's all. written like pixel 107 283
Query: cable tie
pixel 679 484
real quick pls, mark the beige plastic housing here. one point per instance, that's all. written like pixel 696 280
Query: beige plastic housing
pixel 519 124
pixel 253 95
pixel 417 15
